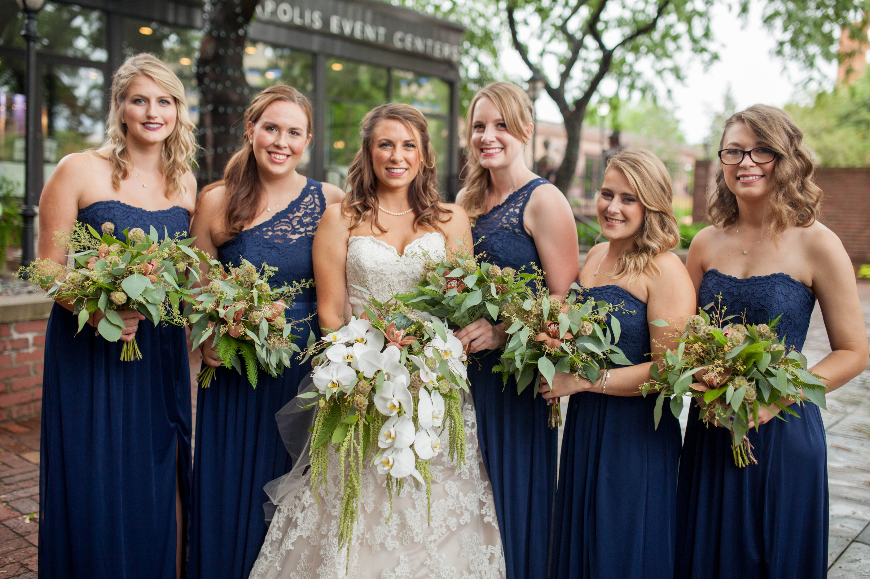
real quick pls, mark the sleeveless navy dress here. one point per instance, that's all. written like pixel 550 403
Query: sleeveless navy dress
pixel 768 520
pixel 615 513
pixel 115 436
pixel 238 448
pixel 517 446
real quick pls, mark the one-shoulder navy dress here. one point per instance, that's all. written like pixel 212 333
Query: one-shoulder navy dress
pixel 238 448
pixel 615 513
pixel 518 448
pixel 768 520
pixel 115 436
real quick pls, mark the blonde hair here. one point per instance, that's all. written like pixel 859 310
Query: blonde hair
pixel 651 183
pixel 516 109
pixel 362 201
pixel 243 200
pixel 179 148
pixel 794 201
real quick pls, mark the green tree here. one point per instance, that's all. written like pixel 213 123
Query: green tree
pixel 637 43
pixel 655 123
pixel 836 125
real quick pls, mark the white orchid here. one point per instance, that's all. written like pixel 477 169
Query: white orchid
pixel 338 337
pixel 397 432
pixel 429 377
pixel 371 362
pixel 426 444
pixel 361 332
pixel 393 395
pixel 451 351
pixel 399 463
pixel 430 409
pixel 332 378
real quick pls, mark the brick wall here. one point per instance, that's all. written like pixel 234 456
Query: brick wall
pixel 23 321
pixel 845 206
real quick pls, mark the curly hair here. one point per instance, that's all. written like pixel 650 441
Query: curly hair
pixel 516 108
pixel 179 148
pixel 794 199
pixel 241 180
pixel 651 182
pixel 361 202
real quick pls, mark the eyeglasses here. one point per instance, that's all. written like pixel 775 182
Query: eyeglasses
pixel 759 155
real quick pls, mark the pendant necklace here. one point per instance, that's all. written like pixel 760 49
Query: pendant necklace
pixel 745 251
pixel 394 214
pixel 138 179
pixel 296 178
pixel 606 253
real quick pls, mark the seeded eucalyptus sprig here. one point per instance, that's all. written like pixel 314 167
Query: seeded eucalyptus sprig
pixel 742 368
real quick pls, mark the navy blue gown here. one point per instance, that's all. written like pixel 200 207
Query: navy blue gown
pixel 616 503
pixel 517 446
pixel 115 437
pixel 238 448
pixel 768 520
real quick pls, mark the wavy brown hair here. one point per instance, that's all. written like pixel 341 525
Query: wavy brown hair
pixel 241 180
pixel 794 201
pixel 179 148
pixel 361 202
pixel 516 109
pixel 651 182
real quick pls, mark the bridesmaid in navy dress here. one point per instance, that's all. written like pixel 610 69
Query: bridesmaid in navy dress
pixel 115 448
pixel 615 507
pixel 767 255
pixel 522 221
pixel 265 212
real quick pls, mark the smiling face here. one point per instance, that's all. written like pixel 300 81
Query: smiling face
pixel 279 138
pixel 395 154
pixel 747 180
pixel 620 212
pixel 148 111
pixel 491 142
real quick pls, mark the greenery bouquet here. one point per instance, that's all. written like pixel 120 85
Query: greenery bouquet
pixel 107 275
pixel 244 316
pixel 387 385
pixel 743 367
pixel 549 335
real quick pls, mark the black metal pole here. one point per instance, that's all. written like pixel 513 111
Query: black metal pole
pixel 31 170
pixel 534 140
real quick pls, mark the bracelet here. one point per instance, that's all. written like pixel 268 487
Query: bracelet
pixel 604 381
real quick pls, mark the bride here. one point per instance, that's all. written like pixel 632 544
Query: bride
pixel 379 238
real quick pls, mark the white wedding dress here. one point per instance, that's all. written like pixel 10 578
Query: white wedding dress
pixel 462 540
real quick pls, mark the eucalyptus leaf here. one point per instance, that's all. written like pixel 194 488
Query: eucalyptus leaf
pixel 109 331
pixel 547 369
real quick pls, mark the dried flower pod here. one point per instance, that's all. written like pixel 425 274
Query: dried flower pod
pixel 706 333
pixel 739 382
pixel 508 272
pixel 469 265
pixel 118 298
pixel 180 267
pixel 115 248
pixel 751 395
pixel 777 347
pixel 763 331
pixel 264 288
pixel 586 329
pixel 256 317
pixel 108 228
pixel 214 287
pixel 360 403
pixel 416 384
pixel 279 322
pixel 113 261
pixel 74 278
pixel 363 387
pixel 494 271
pixel 443 387
pixel 696 323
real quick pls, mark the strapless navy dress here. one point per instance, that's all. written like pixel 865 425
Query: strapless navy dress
pixel 615 513
pixel 238 448
pixel 115 437
pixel 768 520
pixel 518 448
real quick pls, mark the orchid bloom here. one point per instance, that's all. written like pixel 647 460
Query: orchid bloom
pixel 342 354
pixel 399 463
pixel 372 361
pixel 396 337
pixel 336 337
pixel 430 409
pixel 451 351
pixel 426 443
pixel 361 332
pixel 398 432
pixel 428 377
pixel 333 378
pixel 393 395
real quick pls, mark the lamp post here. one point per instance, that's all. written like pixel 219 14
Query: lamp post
pixel 535 86
pixel 603 111
pixel 31 170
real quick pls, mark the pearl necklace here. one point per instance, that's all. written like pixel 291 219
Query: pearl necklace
pixel 394 214
pixel 293 188
pixel 135 174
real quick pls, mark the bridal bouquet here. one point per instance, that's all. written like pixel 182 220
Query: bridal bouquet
pixel 463 289
pixel 244 316
pixel 549 335
pixel 141 273
pixel 387 385
pixel 745 367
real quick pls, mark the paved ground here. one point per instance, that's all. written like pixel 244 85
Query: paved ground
pixel 847 423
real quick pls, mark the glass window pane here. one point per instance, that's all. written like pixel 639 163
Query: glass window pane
pixel 351 80
pixel 12 121
pixel 429 94
pixel 267 65
pixel 342 138
pixel 63 29
pixel 72 113
pixel 438 136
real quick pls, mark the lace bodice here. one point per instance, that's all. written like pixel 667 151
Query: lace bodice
pixel 175 220
pixel 284 241
pixel 761 299
pixel 500 233
pixel 377 266
pixel 634 338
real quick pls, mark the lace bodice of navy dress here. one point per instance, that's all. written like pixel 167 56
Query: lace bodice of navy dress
pixel 634 337
pixel 500 234
pixel 175 220
pixel 270 241
pixel 761 299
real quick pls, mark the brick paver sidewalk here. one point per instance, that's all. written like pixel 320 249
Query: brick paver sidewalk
pixel 19 493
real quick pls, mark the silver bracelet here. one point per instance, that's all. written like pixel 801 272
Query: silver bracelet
pixel 604 382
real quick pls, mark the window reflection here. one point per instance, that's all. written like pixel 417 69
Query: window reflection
pixel 63 29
